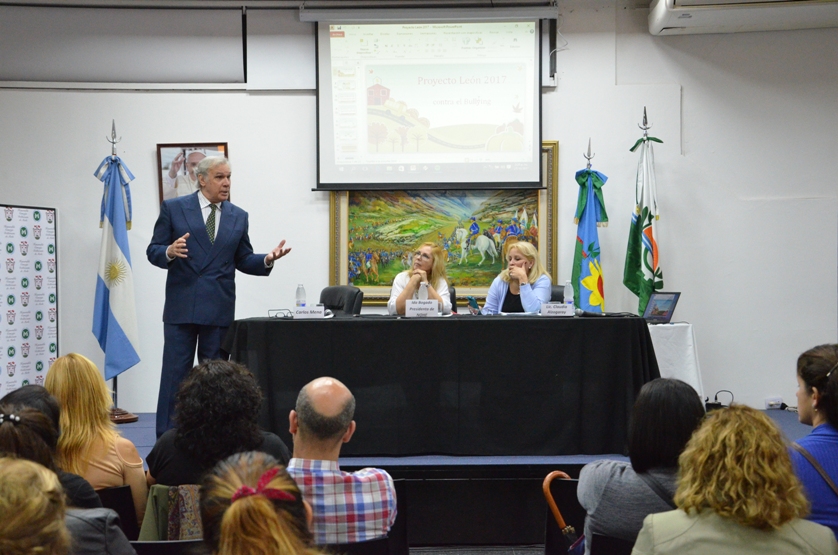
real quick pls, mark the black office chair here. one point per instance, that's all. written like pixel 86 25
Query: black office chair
pixel 378 546
pixel 181 547
pixel 342 300
pixel 453 291
pixel 607 545
pixel 557 293
pixel 120 500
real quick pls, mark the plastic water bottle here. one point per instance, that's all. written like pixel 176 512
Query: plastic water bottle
pixel 423 291
pixel 301 295
pixel 568 293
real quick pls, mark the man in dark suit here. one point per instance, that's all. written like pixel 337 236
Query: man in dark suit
pixel 201 239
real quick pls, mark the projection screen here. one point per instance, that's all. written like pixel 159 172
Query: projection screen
pixel 429 105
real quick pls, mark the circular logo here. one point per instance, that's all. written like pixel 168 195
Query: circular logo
pixel 24 232
pixel 10 300
pixel 52 347
pixel 11 352
pixel 51 249
pixel 10 248
pixel 52 298
pixel 39 315
pixel 25 333
pixel 36 215
pixel 24 282
pixel 24 382
pixel 38 265
pixel 39 366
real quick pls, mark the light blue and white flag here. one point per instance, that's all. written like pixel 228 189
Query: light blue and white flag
pixel 114 312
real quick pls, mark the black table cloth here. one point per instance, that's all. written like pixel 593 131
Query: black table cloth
pixel 463 385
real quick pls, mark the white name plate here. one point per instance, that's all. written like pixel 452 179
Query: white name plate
pixel 421 309
pixel 557 309
pixel 304 312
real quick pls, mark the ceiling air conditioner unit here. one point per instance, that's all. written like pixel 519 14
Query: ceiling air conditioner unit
pixel 689 17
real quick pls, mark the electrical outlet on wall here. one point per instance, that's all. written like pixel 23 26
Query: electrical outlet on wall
pixel 773 402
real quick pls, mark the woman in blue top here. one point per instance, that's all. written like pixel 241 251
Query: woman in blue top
pixel 522 286
pixel 817 405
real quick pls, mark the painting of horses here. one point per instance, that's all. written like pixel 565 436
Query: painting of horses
pixel 376 232
pixel 386 227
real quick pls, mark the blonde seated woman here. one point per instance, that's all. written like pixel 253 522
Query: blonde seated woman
pixel 89 444
pixel 31 510
pixel 736 494
pixel 427 270
pixel 522 286
pixel 251 506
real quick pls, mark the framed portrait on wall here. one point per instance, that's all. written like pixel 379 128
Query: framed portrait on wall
pixel 176 166
pixel 374 233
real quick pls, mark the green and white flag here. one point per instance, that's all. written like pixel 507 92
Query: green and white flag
pixel 642 273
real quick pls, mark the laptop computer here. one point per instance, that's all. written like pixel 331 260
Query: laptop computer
pixel 661 306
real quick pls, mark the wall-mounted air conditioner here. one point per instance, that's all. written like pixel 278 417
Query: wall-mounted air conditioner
pixel 686 17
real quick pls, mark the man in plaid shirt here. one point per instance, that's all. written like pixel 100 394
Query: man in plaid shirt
pixel 347 507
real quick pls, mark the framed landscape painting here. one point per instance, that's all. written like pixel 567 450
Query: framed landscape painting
pixel 373 233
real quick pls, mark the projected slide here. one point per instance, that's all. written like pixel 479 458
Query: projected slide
pixel 429 103
pixel 453 109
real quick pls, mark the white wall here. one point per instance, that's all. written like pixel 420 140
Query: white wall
pixel 746 180
pixel 746 185
pixel 54 140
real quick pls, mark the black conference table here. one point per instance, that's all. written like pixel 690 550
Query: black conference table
pixel 461 385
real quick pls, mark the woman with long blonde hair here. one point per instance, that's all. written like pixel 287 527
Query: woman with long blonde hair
pixel 427 271
pixel 89 444
pixel 522 286
pixel 736 493
pixel 251 506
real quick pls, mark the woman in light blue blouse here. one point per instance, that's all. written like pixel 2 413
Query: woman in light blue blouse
pixel 522 286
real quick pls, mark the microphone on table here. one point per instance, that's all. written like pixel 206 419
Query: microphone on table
pixel 586 313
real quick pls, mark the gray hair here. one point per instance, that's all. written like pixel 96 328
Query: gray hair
pixel 322 427
pixel 204 166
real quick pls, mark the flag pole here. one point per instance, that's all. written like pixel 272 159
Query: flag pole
pixel 118 415
pixel 642 274
pixel 588 156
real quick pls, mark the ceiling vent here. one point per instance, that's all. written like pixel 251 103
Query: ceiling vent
pixel 690 17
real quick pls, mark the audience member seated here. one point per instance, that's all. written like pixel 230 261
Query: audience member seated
pixel 96 532
pixel 217 414
pixel 817 405
pixel 31 510
pixel 251 506
pixel 736 493
pixel 89 444
pixel 618 495
pixel 27 433
pixel 522 286
pixel 427 270
pixel 80 493
pixel 92 531
pixel 348 507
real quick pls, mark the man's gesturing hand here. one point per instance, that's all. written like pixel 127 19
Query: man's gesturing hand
pixel 277 253
pixel 178 248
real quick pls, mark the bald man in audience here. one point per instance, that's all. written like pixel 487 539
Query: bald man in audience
pixel 347 507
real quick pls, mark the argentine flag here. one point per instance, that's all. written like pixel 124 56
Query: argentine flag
pixel 114 312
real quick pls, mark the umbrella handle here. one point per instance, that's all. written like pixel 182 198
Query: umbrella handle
pixel 545 486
